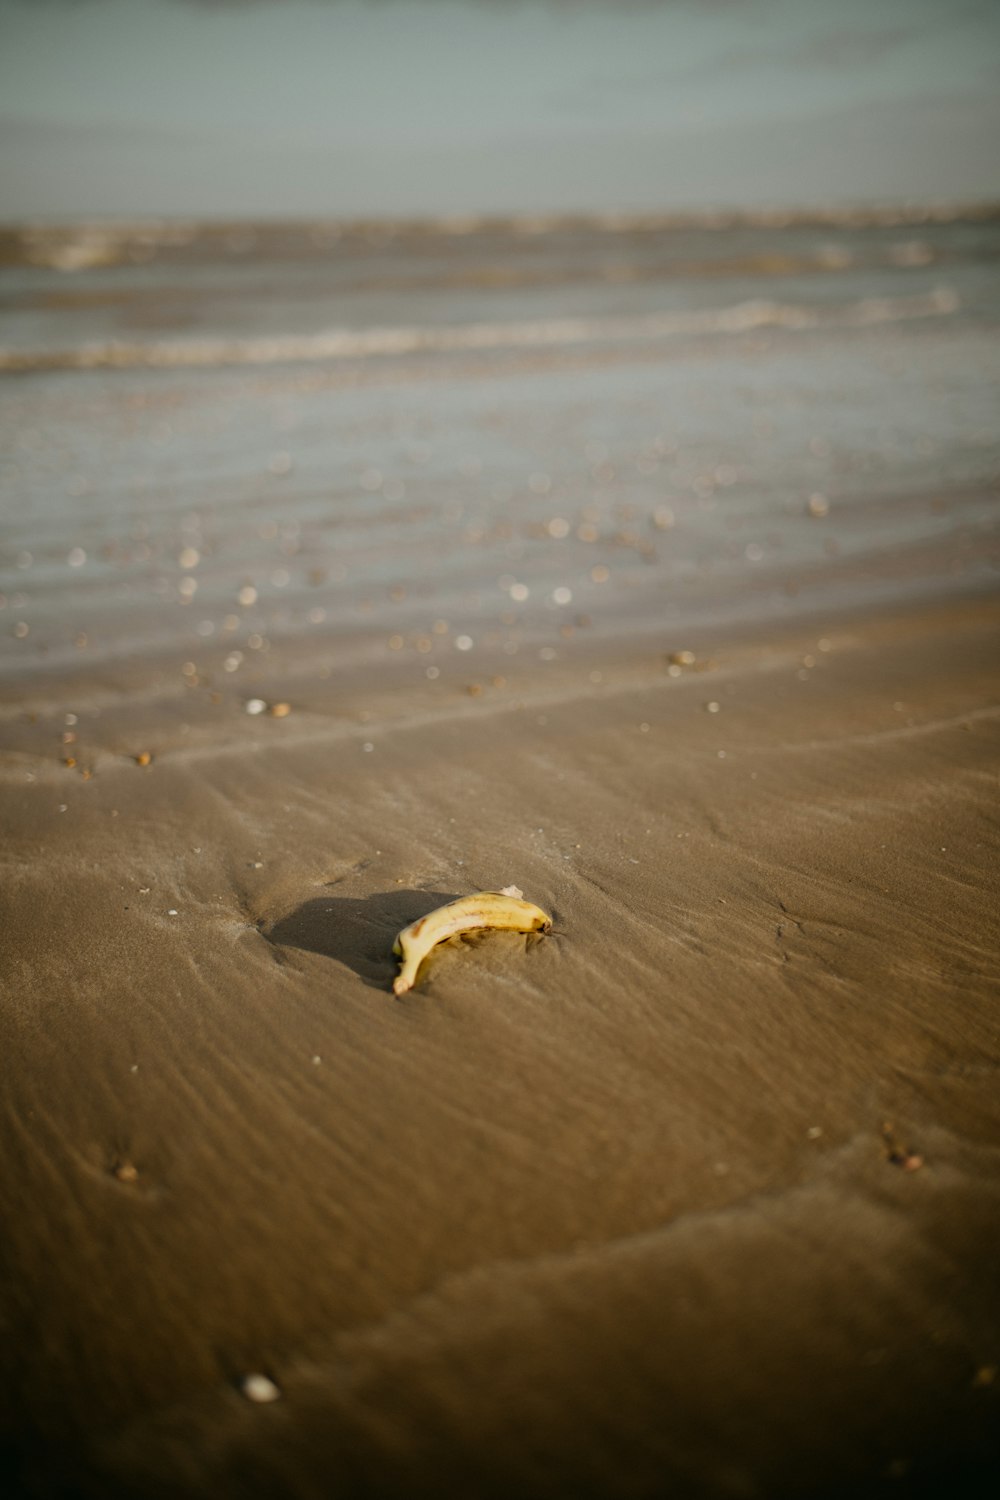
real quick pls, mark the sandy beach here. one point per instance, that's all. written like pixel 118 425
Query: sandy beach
pixel 688 630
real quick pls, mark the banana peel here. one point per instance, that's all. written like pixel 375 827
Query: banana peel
pixel 504 909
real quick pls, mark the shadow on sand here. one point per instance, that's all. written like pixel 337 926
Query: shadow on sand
pixel 356 932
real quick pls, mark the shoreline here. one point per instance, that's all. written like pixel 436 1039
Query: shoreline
pixel 692 638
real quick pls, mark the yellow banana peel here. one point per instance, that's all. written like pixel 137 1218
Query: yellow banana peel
pixel 485 909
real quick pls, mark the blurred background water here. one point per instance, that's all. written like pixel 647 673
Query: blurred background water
pixel 390 442
pixel 350 335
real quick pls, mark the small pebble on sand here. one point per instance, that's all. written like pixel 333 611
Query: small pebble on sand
pixel 260 1389
pixel 280 710
pixel 144 758
pixel 254 706
pixel 818 506
pixel 126 1172
pixel 681 658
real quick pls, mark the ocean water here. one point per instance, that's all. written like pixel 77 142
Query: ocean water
pixel 234 450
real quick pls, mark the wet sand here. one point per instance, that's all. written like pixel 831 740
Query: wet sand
pixel 697 1196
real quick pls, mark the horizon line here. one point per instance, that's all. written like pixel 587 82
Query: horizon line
pixel 857 211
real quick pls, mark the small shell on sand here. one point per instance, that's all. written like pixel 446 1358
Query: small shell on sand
pixel 280 710
pixel 258 1388
pixel 254 706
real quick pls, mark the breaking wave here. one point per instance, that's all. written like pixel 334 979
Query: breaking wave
pixel 379 342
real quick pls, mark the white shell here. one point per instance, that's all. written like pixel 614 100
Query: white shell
pixel 258 1388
